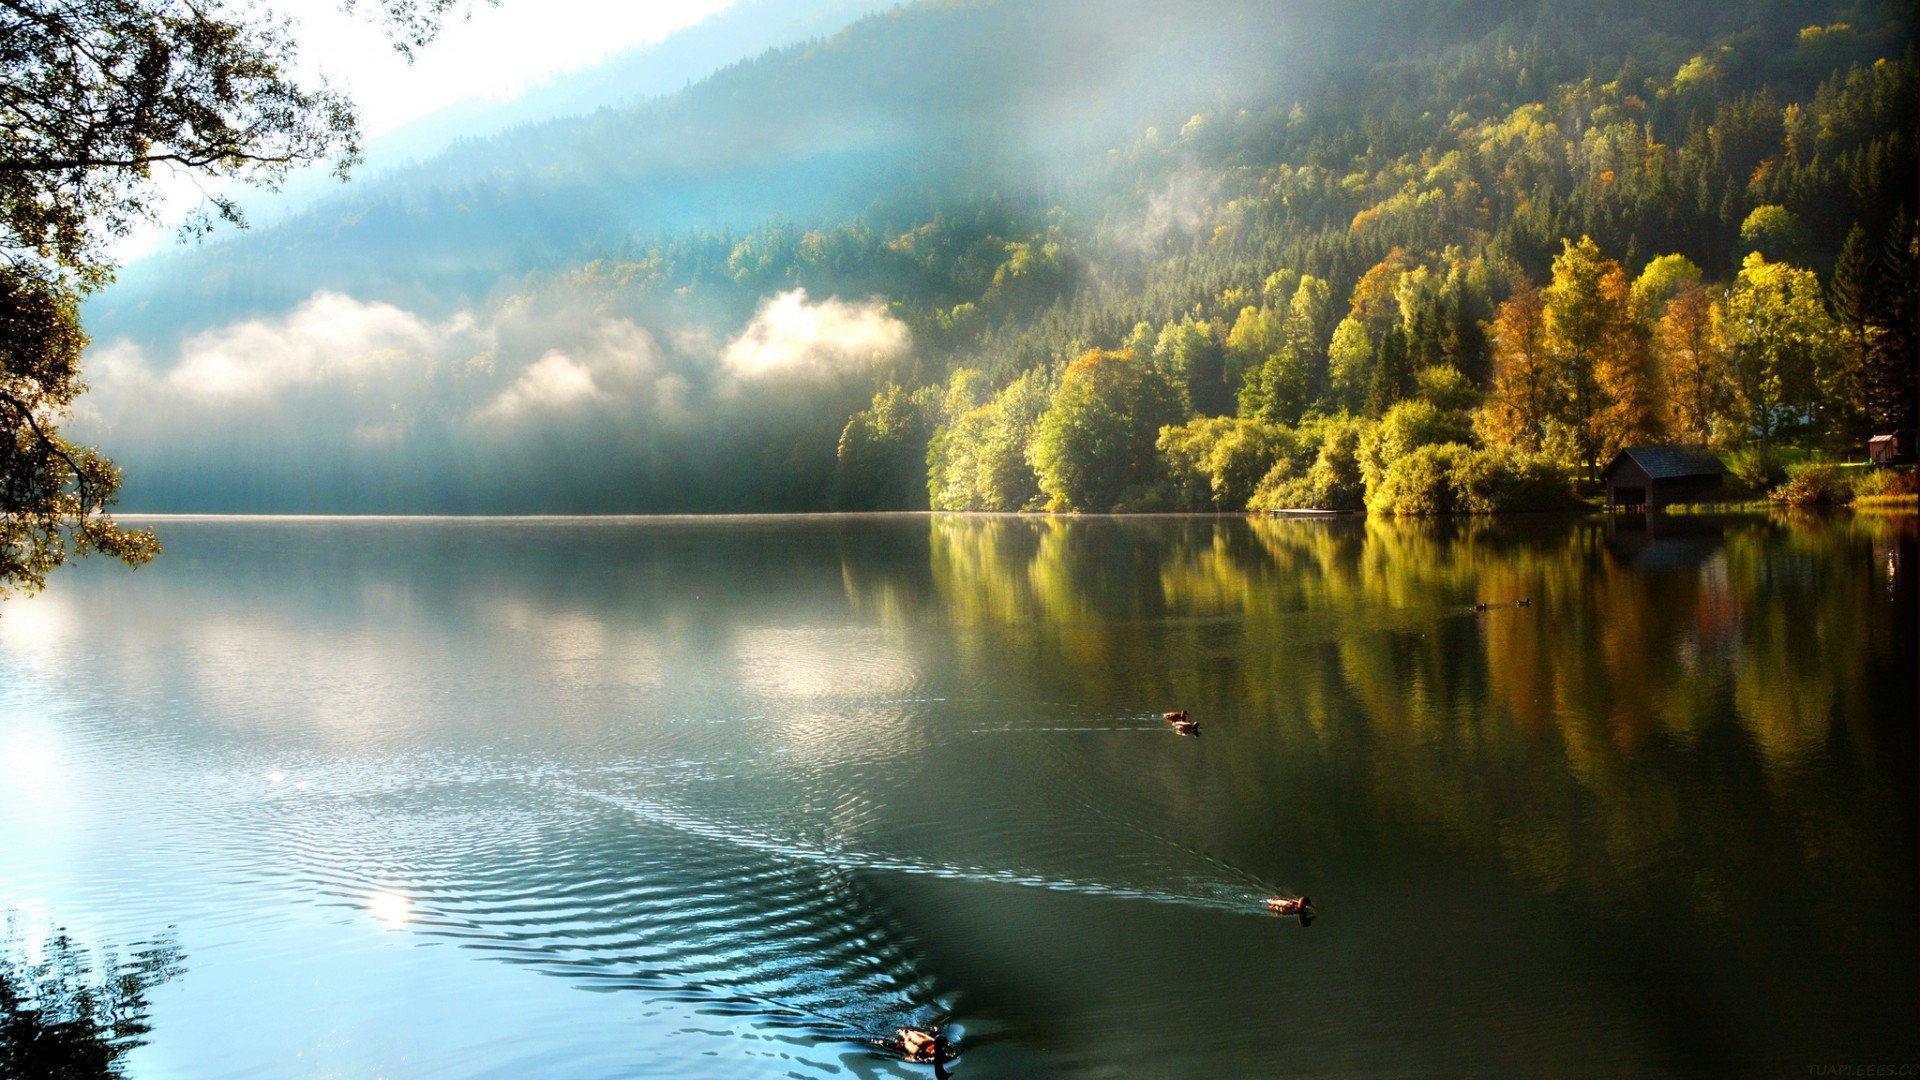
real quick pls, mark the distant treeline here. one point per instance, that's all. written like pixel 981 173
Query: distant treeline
pixel 1460 284
pixel 1415 255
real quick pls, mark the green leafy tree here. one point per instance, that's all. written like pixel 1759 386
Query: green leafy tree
pixel 1257 334
pixel 979 460
pixel 1663 279
pixel 1095 447
pixel 97 96
pixel 1590 340
pixel 1215 462
pixel 1779 338
pixel 1775 232
pixel 883 449
pixel 1190 354
pixel 1350 366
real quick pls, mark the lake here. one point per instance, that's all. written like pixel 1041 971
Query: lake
pixel 731 796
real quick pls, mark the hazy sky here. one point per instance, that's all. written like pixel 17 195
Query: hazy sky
pixel 486 52
pixel 493 52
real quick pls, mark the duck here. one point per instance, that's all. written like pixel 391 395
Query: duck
pixel 921 1045
pixel 1182 725
pixel 1289 905
pixel 1175 717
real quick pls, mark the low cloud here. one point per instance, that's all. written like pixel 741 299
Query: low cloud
pixel 347 403
pixel 791 335
pixel 555 383
pixel 330 336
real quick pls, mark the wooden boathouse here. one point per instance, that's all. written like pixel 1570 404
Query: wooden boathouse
pixel 1650 477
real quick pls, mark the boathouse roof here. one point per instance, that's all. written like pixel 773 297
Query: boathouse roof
pixel 1668 462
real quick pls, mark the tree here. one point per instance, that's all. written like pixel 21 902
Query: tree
pixel 97 95
pixel 1256 336
pixel 1190 355
pixel 1774 231
pixel 1663 279
pixel 1851 293
pixel 1094 450
pixel 1691 365
pixel 1893 369
pixel 1392 378
pixel 979 460
pixel 1779 338
pixel 1589 339
pixel 1349 365
pixel 880 462
pixel 1518 406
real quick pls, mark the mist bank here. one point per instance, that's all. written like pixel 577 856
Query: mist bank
pixel 929 100
pixel 533 405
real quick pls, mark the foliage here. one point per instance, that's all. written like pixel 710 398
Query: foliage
pixel 1094 450
pixel 1755 468
pixel 1498 480
pixel 1814 485
pixel 1405 428
pixel 1333 480
pixel 980 460
pixel 52 492
pixel 1780 340
pixel 1455 208
pixel 63 1015
pixel 1420 483
pixel 878 464
pixel 1214 463
pixel 1889 484
pixel 96 96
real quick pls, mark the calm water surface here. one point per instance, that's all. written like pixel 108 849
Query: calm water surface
pixel 728 797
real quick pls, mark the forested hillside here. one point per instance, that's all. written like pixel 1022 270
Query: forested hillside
pixel 1419 256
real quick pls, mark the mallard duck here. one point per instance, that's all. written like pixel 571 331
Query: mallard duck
pixel 1175 717
pixel 919 1045
pixel 1289 905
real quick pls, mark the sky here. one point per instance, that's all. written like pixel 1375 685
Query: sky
pixel 484 52
pixel 492 52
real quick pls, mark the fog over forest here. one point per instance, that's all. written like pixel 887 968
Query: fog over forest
pixel 679 303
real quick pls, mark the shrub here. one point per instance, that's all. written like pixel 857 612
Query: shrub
pixel 1215 462
pixel 1331 482
pixel 1419 484
pixel 1814 485
pixel 1753 469
pixel 1406 427
pixel 1499 480
pixel 1885 483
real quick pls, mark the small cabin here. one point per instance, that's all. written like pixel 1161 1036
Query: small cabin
pixel 1894 449
pixel 1650 477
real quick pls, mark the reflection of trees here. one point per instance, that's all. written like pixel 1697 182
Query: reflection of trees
pixel 61 1015
pixel 1603 740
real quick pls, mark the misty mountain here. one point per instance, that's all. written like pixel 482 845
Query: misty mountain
pixel 1008 95
pixel 739 32
pixel 717 299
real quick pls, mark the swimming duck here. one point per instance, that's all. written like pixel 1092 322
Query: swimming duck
pixel 919 1045
pixel 1173 717
pixel 1184 726
pixel 1289 905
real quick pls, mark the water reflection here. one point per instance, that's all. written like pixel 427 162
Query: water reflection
pixel 64 1013
pixel 828 779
